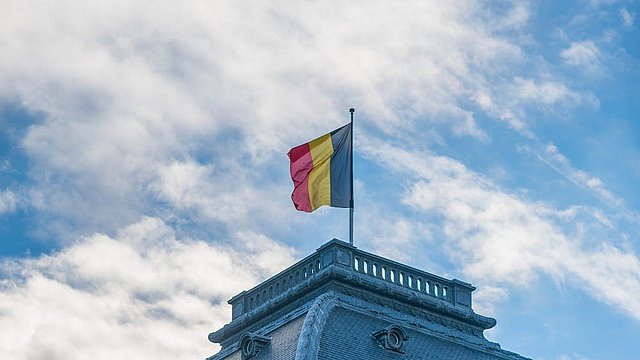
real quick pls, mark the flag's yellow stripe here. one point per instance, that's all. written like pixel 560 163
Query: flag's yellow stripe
pixel 319 177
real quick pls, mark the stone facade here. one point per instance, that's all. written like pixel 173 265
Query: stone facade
pixel 343 303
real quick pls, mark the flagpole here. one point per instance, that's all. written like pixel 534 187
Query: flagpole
pixel 351 110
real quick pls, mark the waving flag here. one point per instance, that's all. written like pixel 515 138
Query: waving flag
pixel 321 171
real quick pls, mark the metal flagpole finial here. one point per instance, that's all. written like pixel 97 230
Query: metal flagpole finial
pixel 352 110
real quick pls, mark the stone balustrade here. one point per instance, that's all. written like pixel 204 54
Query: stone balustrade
pixel 346 257
pixel 402 275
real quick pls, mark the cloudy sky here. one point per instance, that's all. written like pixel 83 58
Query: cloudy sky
pixel 144 178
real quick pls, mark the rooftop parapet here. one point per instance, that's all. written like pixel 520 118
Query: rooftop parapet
pixel 361 264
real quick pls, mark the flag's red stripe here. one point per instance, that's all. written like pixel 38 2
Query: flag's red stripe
pixel 301 165
pixel 299 151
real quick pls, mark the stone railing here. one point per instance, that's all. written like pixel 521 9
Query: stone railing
pixel 340 254
pixel 275 286
pixel 453 291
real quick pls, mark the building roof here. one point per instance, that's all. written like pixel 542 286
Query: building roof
pixel 343 303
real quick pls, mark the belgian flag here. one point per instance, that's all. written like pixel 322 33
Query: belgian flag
pixel 321 171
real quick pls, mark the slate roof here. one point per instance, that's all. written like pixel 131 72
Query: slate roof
pixel 335 307
pixel 347 335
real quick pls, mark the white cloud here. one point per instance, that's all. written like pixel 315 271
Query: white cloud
pixel 585 54
pixel 604 2
pixel 394 237
pixel 509 102
pixel 517 16
pixel 8 201
pixel 128 89
pixel 560 163
pixel 487 297
pixel 143 294
pixel 191 187
pixel 572 356
pixel 228 193
pixel 499 239
pixel 546 92
pixel 627 18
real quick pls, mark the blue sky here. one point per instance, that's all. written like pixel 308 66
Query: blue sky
pixel 144 177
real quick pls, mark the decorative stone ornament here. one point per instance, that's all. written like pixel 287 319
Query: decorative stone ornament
pixel 391 338
pixel 251 344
